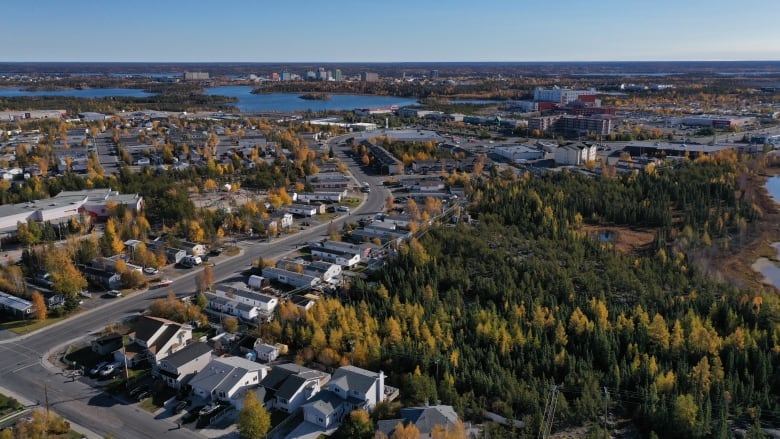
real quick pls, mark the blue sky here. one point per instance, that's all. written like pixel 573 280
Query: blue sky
pixel 389 30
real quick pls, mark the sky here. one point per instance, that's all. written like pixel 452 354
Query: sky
pixel 388 30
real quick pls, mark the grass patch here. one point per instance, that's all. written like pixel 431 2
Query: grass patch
pixel 8 405
pixel 232 250
pixel 22 327
pixel 148 405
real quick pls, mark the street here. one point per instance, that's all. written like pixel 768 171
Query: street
pixel 25 368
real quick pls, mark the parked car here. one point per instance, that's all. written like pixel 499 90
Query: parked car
pixel 108 369
pixel 343 209
pixel 114 293
pixel 151 270
pixel 95 370
pixel 180 406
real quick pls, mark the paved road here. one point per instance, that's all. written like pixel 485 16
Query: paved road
pixel 24 368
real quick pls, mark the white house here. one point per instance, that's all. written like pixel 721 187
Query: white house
pixel 154 338
pixel 263 302
pixel 292 278
pixel 194 248
pixel 226 305
pixel 343 258
pixel 350 388
pixel 323 270
pixel 291 385
pixel 356 384
pixel 303 209
pixel 226 379
pixel 178 368
pixel 284 219
pixel 266 353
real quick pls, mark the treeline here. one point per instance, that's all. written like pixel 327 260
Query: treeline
pixel 489 317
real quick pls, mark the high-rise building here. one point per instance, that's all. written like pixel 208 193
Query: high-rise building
pixel 434 74
pixel 337 76
pixel 369 77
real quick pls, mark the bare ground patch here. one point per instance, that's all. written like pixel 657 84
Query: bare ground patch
pixel 626 239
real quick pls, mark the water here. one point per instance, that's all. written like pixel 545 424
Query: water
pixel 773 186
pixel 291 102
pixel 94 93
pixel 767 267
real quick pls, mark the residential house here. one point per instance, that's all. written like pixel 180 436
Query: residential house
pixel 227 379
pixel 350 388
pixel 266 353
pixel 153 339
pixel 323 270
pixel 362 388
pixel 107 344
pixel 226 305
pixel 101 277
pixel 284 219
pixel 193 248
pixel 291 278
pixel 290 385
pixel 425 419
pixel 362 249
pixel 308 210
pixel 178 368
pixel 263 302
pixel 343 258
pixel 15 306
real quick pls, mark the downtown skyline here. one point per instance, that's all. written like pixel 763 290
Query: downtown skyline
pixel 400 31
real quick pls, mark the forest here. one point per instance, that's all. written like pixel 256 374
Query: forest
pixel 489 317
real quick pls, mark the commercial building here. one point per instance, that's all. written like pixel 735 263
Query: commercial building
pixel 369 77
pixel 717 122
pixel 196 76
pixel 518 153
pixel 563 96
pixel 576 154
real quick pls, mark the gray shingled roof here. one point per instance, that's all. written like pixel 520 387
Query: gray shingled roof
pixel 187 354
pixel 354 378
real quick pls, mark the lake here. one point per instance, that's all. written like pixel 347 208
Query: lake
pixel 94 93
pixel 291 102
pixel 767 267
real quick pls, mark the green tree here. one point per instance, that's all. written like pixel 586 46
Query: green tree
pixel 253 420
pixel 357 426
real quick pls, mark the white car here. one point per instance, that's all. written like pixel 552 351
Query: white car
pixel 151 270
pixel 114 293
pixel 343 209
pixel 108 369
pixel 95 370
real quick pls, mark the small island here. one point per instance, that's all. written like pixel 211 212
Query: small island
pixel 315 96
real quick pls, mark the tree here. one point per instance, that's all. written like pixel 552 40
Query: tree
pixel 253 420
pixel 39 306
pixel 410 431
pixel 358 425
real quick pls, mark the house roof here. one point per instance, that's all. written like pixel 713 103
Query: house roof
pixel 187 354
pixel 147 326
pixel 223 373
pixel 291 386
pixel 168 333
pixel 324 403
pixel 265 348
pixel 354 378
pixel 278 374
pixel 425 418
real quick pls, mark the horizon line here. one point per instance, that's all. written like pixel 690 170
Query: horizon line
pixel 396 62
